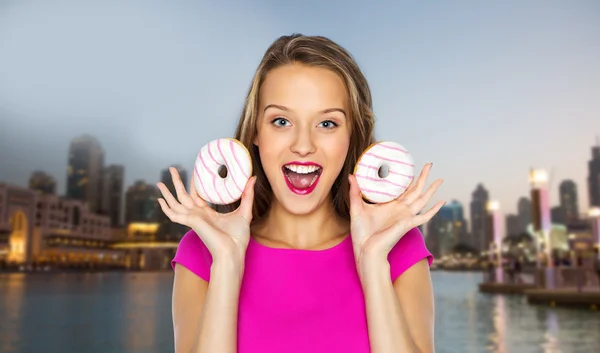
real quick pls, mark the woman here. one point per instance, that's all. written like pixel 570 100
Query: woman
pixel 303 265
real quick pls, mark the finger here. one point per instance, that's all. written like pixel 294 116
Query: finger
pixel 183 219
pixel 417 189
pixel 425 217
pixel 195 197
pixel 170 200
pixel 420 184
pixel 356 200
pixel 417 205
pixel 182 195
pixel 245 208
pixel 407 189
pixel 167 210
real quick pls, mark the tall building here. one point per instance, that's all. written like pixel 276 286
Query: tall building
pixel 479 200
pixel 558 215
pixel 446 229
pixel 594 176
pixel 112 194
pixel 141 203
pixel 568 199
pixel 84 171
pixel 524 213
pixel 42 182
pixel 169 230
pixel 512 225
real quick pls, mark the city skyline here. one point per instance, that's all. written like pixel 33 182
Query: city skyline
pixel 572 188
pixel 485 91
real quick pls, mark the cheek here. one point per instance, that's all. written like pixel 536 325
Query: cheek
pixel 337 149
pixel 269 148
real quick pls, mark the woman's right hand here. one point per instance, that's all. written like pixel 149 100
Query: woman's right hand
pixel 225 235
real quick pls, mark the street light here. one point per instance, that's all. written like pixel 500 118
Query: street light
pixel 540 207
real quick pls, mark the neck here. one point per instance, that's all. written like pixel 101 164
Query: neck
pixel 321 228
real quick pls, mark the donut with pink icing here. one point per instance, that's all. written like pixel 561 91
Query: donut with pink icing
pixel 221 170
pixel 384 171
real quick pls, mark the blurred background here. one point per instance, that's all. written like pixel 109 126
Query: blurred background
pixel 99 98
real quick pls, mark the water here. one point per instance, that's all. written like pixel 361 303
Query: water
pixel 130 312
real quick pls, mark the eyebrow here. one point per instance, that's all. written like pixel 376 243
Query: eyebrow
pixel 286 109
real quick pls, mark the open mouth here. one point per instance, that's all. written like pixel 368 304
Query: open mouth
pixel 302 178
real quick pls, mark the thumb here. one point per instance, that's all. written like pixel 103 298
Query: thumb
pixel 356 201
pixel 245 208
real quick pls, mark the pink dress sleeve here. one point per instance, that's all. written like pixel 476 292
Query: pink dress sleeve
pixel 409 250
pixel 193 255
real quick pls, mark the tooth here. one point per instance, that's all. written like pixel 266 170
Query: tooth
pixel 293 168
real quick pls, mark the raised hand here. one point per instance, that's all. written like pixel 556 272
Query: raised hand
pixel 376 228
pixel 225 235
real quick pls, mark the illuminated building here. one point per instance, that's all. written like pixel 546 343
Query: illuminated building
pixel 42 229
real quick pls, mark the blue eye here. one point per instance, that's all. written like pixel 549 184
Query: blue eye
pixel 280 122
pixel 328 124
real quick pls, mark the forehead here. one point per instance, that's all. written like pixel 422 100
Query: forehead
pixel 302 87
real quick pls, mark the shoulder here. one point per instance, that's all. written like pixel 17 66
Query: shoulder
pixel 408 251
pixel 193 255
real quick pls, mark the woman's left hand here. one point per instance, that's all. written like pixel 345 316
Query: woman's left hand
pixel 376 228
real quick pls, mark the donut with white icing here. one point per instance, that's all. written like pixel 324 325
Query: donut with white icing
pixel 374 183
pixel 221 170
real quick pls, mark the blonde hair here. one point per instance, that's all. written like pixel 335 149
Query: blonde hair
pixel 311 51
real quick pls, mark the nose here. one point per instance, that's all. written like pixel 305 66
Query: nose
pixel 303 144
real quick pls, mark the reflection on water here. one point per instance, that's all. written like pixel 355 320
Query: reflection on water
pixel 110 312
pixel 470 322
pixel 130 312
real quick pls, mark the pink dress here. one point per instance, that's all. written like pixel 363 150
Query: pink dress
pixel 302 300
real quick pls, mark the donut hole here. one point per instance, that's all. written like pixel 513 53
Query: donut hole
pixel 222 171
pixel 383 171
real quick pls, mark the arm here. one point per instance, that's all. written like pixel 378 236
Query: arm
pixel 399 320
pixel 205 313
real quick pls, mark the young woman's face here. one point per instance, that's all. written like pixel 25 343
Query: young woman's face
pixel 303 134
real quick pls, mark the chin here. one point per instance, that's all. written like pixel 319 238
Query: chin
pixel 299 207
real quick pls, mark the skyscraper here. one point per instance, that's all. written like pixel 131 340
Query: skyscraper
pixel 594 176
pixel 447 229
pixel 524 213
pixel 479 200
pixel 141 204
pixel 169 230
pixel 42 182
pixel 512 225
pixel 84 171
pixel 568 200
pixel 558 215
pixel 112 193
